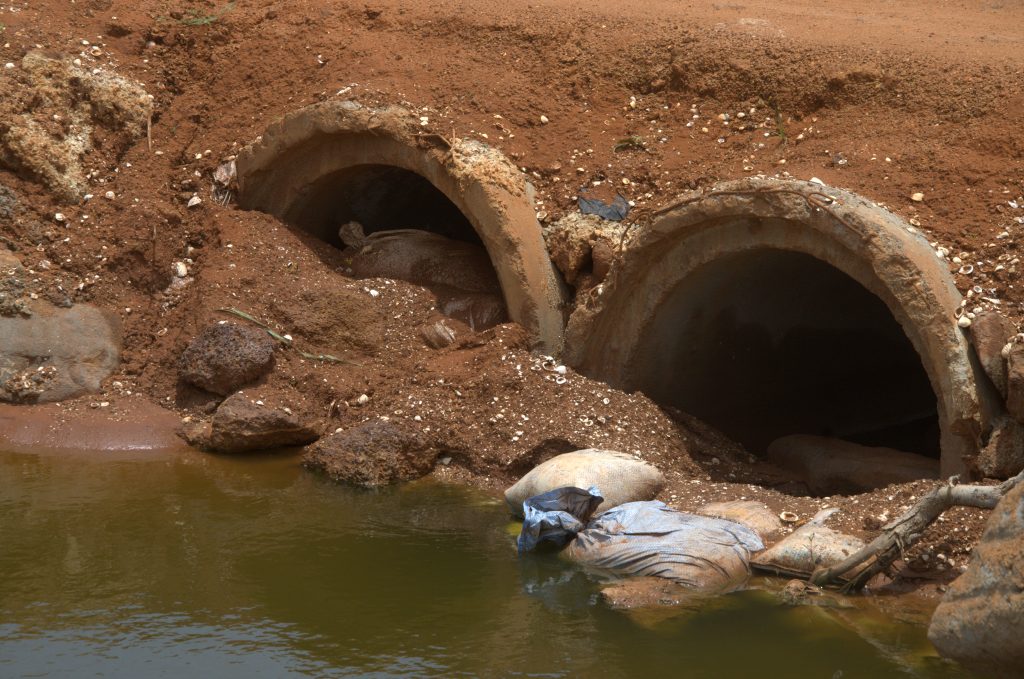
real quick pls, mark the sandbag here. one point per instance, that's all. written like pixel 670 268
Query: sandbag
pixel 460 274
pixel 649 538
pixel 556 516
pixel 807 549
pixel 621 478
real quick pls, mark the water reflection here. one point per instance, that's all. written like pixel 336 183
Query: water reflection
pixel 251 567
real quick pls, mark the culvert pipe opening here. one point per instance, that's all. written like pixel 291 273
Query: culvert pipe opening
pixel 771 343
pixel 364 171
pixel 781 309
pixel 380 198
pixel 393 223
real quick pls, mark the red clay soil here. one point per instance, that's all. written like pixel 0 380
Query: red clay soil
pixel 643 99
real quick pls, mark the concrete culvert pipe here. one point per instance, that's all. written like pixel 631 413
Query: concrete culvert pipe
pixel 774 308
pixel 339 162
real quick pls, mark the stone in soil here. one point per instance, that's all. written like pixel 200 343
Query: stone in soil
pixel 644 592
pixel 1015 382
pixel 227 356
pixel 242 424
pixel 54 354
pixel 1004 455
pixel 979 620
pixel 989 334
pixel 372 454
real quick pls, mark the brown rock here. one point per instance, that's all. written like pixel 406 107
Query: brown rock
pixel 1004 455
pixel 227 356
pixel 241 425
pixel 372 454
pixel 55 354
pixel 989 334
pixel 644 592
pixel 754 515
pixel 829 466
pixel 437 335
pixel 1015 382
pixel 979 621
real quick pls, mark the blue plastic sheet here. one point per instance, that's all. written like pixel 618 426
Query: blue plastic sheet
pixel 614 212
pixel 557 516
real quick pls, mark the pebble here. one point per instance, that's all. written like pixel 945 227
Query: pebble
pixel 964 322
pixel 544 120
pixel 59 217
pixel 363 399
pixel 917 197
pixel 194 201
pixel 180 270
pixel 8 65
pixel 109 195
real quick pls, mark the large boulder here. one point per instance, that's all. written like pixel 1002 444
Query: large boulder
pixel 1004 455
pixel 619 477
pixel 372 454
pixel 1015 381
pixel 981 617
pixel 52 354
pixel 227 356
pixel 648 538
pixel 989 334
pixel 829 466
pixel 241 424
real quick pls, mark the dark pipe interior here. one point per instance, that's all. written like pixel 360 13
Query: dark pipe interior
pixel 770 342
pixel 380 197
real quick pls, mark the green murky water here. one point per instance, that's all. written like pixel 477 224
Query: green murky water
pixel 217 567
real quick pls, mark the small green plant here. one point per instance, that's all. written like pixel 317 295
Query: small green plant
pixel 196 17
pixel 631 143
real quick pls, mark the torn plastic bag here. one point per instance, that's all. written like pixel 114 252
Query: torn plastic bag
pixel 649 538
pixel 614 212
pixel 556 516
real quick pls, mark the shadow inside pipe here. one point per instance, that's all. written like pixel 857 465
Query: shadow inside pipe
pixel 381 198
pixel 768 343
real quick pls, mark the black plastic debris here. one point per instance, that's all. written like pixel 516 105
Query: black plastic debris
pixel 614 212
pixel 557 516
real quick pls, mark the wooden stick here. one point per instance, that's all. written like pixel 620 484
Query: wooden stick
pixel 904 532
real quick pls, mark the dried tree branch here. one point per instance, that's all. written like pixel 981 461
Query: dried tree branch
pixel 904 532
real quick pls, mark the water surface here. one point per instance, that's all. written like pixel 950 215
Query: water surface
pixel 219 567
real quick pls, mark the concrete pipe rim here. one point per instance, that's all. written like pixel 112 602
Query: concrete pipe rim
pixel 280 169
pixel 874 247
